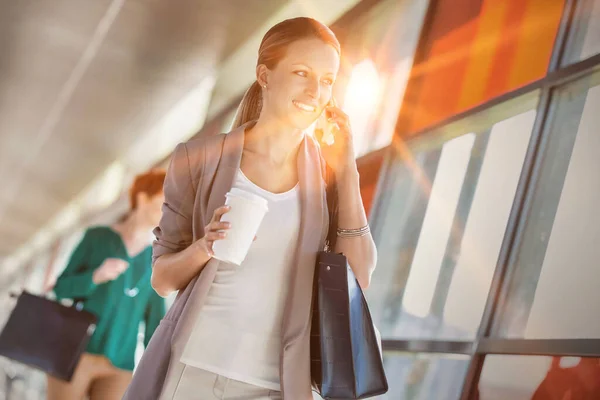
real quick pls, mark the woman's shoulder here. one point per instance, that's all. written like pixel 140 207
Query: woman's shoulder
pixel 96 234
pixel 201 151
pixel 209 142
pixel 99 232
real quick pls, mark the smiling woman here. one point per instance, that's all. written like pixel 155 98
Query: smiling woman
pixel 245 329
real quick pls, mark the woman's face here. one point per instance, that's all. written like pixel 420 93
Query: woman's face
pixel 151 207
pixel 300 86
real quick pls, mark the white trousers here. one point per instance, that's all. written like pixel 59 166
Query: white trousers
pixel 190 383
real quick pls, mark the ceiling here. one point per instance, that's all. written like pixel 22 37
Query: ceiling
pixel 81 81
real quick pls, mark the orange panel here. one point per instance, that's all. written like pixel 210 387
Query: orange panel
pixel 443 80
pixel 506 51
pixel 478 50
pixel 536 40
pixel 489 36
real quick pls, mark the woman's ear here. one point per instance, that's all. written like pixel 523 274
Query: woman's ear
pixel 262 73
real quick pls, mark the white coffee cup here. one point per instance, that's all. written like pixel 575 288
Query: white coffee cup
pixel 246 214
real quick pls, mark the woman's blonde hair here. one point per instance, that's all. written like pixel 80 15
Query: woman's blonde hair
pixel 272 49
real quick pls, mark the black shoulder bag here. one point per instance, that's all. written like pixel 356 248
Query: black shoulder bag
pixel 346 362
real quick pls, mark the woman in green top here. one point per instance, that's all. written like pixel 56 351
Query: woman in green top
pixel 110 272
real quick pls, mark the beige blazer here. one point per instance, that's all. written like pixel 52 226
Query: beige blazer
pixel 201 172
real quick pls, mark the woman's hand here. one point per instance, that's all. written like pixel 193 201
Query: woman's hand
pixel 174 271
pixel 110 270
pixel 213 231
pixel 339 155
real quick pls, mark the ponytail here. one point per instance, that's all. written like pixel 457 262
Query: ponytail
pixel 250 106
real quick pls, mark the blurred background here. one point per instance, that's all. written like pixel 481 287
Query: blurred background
pixel 476 125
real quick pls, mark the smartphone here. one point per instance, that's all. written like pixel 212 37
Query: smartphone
pixel 323 132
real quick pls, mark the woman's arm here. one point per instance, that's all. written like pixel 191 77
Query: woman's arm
pixel 339 155
pixel 360 251
pixel 177 258
pixel 77 278
pixel 173 271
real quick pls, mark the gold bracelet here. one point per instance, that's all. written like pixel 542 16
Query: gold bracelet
pixel 349 233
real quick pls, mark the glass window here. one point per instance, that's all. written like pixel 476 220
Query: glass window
pixel 475 50
pixel 553 291
pixel 378 54
pixel 539 378
pixel 443 215
pixel 584 38
pixel 424 376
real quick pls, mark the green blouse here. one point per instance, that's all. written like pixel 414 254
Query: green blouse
pixel 121 304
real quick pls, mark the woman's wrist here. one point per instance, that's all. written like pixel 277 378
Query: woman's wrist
pixel 347 174
pixel 199 253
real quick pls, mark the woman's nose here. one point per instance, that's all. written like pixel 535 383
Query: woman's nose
pixel 313 89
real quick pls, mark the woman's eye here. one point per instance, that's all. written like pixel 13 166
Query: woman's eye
pixel 301 73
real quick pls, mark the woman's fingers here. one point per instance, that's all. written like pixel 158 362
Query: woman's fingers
pixel 218 225
pixel 215 235
pixel 216 229
pixel 219 213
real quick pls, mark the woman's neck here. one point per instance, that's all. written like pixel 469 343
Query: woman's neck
pixel 277 143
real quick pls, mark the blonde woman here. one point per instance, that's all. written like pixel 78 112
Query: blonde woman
pixel 242 332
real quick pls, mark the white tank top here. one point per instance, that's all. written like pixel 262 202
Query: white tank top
pixel 238 332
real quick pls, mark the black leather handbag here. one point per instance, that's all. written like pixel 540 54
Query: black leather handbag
pixel 47 335
pixel 346 360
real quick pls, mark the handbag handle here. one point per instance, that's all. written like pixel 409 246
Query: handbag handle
pixel 77 301
pixel 332 204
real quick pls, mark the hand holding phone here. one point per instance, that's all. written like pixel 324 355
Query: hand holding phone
pixel 334 134
pixel 324 130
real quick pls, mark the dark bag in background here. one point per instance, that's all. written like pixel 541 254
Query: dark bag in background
pixel 47 335
pixel 346 358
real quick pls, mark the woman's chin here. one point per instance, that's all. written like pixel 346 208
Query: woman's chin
pixel 302 123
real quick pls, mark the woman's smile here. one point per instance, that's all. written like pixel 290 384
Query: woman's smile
pixel 304 106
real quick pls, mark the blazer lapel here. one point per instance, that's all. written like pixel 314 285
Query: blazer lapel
pixel 229 163
pixel 313 211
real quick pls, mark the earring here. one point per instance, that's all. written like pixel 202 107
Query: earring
pixel 264 86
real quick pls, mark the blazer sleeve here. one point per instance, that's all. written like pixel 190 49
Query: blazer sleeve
pixel 174 232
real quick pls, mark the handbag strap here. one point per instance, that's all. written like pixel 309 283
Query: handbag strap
pixel 77 301
pixel 332 204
